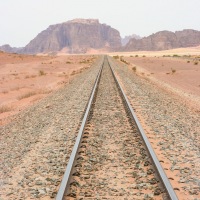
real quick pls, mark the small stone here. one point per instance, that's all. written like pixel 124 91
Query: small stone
pixel 42 192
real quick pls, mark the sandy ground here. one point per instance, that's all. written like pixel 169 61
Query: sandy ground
pixel 176 72
pixel 179 74
pixel 26 79
pixel 179 51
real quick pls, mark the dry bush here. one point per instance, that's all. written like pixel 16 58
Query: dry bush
pixel 42 73
pixel 84 61
pixel 33 76
pixel 5 91
pixel 14 74
pixel 173 71
pixel 116 57
pixel 44 91
pixel 175 55
pixel 4 109
pixel 15 88
pixel 32 93
pixel 195 63
pixel 68 62
pixel 124 61
pixel 73 73
pixel 27 76
pixel 27 95
pixel 134 68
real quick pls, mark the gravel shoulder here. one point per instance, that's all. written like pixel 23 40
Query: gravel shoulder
pixel 36 145
pixel 172 127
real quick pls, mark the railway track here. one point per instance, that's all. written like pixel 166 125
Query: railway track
pixel 112 157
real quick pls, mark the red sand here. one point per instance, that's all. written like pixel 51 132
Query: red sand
pixel 25 79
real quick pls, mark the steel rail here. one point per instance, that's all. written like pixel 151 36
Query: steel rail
pixel 66 178
pixel 154 158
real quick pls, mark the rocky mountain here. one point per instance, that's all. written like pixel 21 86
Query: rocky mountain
pixel 9 49
pixel 88 35
pixel 126 39
pixel 75 36
pixel 164 40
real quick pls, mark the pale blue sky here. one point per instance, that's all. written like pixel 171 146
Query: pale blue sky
pixel 22 20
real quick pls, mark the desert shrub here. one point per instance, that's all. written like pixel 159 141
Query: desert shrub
pixel 73 72
pixel 68 62
pixel 136 56
pixel 188 61
pixel 173 71
pixel 15 88
pixel 84 61
pixel 27 95
pixel 131 56
pixel 143 56
pixel 41 73
pixel 44 91
pixel 134 68
pixel 4 109
pixel 175 55
pixel 116 57
pixel 196 63
pixel 124 61
pixel 5 91
pixel 27 76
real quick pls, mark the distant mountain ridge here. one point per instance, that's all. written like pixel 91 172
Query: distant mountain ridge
pixel 8 48
pixel 85 35
pixel 126 39
pixel 165 40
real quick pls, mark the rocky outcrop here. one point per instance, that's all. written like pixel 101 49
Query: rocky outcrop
pixel 126 39
pixel 165 40
pixel 75 36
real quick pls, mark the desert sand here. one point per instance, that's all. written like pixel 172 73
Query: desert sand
pixel 176 70
pixel 179 51
pixel 25 79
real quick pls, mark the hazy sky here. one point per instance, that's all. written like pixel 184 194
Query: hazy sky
pixel 22 20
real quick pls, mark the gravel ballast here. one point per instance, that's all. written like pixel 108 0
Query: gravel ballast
pixel 36 146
